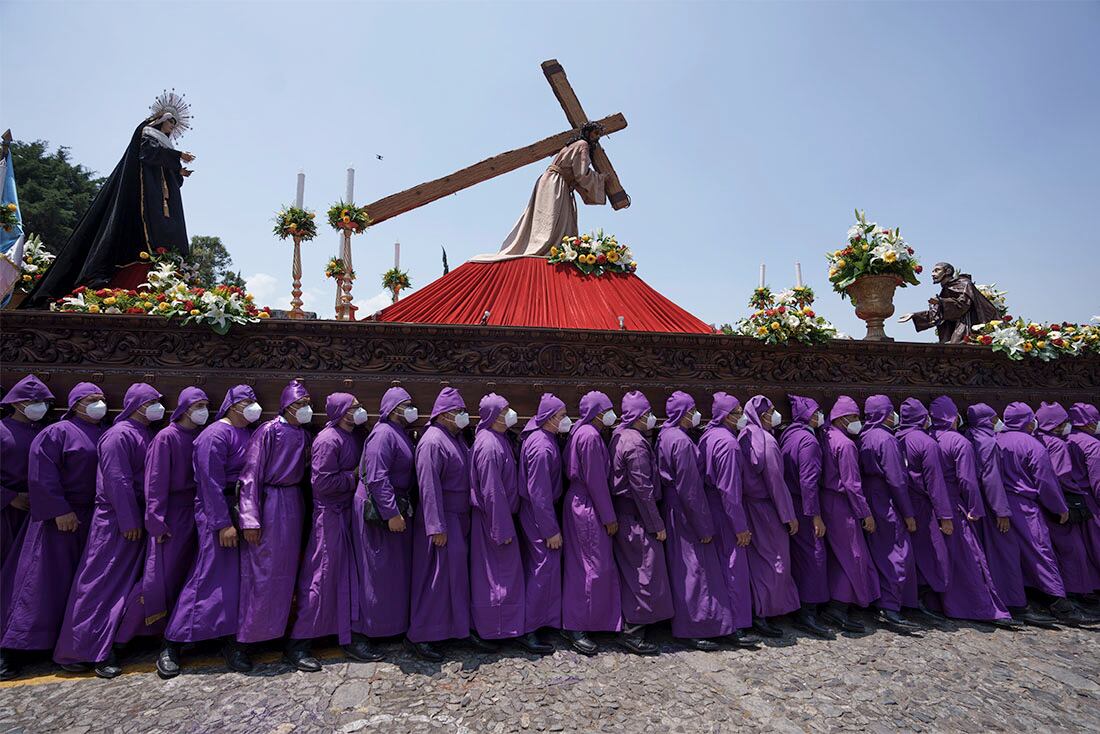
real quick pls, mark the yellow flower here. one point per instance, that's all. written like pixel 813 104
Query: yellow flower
pixel 775 326
pixel 613 256
pixel 292 226
pixel 840 263
pixel 1040 344
pixel 312 215
pixel 93 308
pixel 836 253
pixel 26 277
pixel 146 305
pixel 1027 346
pixel 163 306
pixel 761 330
pixel 591 259
pixel 11 207
pixel 264 315
pixel 143 255
pixel 248 297
pixel 833 272
pixel 344 213
pixel 586 238
pixel 553 252
pixel 890 256
pixel 346 218
pixel 195 312
pixel 110 300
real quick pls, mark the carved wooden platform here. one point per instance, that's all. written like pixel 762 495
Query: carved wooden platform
pixel 366 358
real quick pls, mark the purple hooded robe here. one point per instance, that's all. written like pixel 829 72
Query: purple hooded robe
pixel 722 479
pixel 15 448
pixel 635 492
pixel 384 557
pixel 1072 541
pixel 61 478
pixel 700 597
pixel 540 487
pixel 207 604
pixel 851 572
pixel 496 568
pixel 885 486
pixel 440 604
pixel 111 564
pixel 1031 488
pixel 1002 550
pixel 271 500
pixel 928 492
pixel 1086 459
pixel 801 452
pixel 970 592
pixel 591 601
pixel 328 593
pixel 769 508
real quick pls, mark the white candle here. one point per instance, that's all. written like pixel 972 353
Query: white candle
pixel 300 196
pixel 396 255
pixel 349 195
pixel 761 275
pixel 798 273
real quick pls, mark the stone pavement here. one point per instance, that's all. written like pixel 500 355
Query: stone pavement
pixel 964 678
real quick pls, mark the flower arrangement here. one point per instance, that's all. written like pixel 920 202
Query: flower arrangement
pixel 784 318
pixel 762 298
pixel 872 250
pixel 396 280
pixel 8 219
pixel 348 217
pixel 594 254
pixel 337 269
pixel 168 295
pixel 36 261
pixel 1018 338
pixel 292 221
pixel 996 297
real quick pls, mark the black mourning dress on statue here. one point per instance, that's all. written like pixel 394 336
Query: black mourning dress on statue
pixel 138 208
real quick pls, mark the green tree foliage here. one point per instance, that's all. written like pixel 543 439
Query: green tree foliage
pixel 211 264
pixel 54 193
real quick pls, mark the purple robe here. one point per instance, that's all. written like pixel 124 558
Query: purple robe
pixel 496 568
pixel 111 564
pixel 61 478
pixel 1002 550
pixel 635 492
pixel 1031 488
pixel 384 557
pixel 885 486
pixel 15 446
pixel 591 600
pixel 328 591
pixel 540 487
pixel 928 493
pixel 700 598
pixel 769 508
pixel 1086 460
pixel 802 472
pixel 440 599
pixel 970 592
pixel 271 499
pixel 207 607
pixel 851 572
pixel 1072 540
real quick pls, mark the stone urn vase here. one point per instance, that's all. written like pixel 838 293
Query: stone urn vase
pixel 873 297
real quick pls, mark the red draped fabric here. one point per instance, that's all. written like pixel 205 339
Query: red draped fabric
pixel 528 291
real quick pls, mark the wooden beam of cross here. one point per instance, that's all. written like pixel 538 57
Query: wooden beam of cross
pixel 409 199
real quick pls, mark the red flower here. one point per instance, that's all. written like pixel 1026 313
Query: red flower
pixel 103 292
pixel 1058 343
pixel 769 312
pixel 601 259
pixel 918 269
pixel 809 312
pixel 1006 318
pixel 909 250
pixel 782 309
pixel 162 250
pixel 987 340
pixel 189 305
pixel 80 290
pixel 199 291
pixel 1054 327
pixel 134 309
pixel 161 297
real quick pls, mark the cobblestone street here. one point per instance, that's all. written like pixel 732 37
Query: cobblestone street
pixel 964 678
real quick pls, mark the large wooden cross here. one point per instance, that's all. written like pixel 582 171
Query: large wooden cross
pixel 426 193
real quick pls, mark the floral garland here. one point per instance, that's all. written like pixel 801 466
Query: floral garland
pixel 1019 338
pixel 996 297
pixel 296 222
pixel 594 254
pixel 872 250
pixel 784 318
pixel 168 295
pixel 337 269
pixel 8 218
pixel 36 261
pixel 349 217
pixel 396 280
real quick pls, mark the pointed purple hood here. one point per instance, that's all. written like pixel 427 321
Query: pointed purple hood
pixel 1082 414
pixel 802 410
pixel 677 406
pixel 292 393
pixel 1050 416
pixel 137 395
pixel 723 405
pixel 78 393
pixel 592 404
pixel 234 395
pixel 944 412
pixel 188 396
pixel 635 405
pixel 336 405
pixel 549 405
pixel 980 415
pixel 29 388
pixel 1018 416
pixel 843 406
pixel 913 414
pixel 490 408
pixel 758 406
pixel 448 399
pixel 876 409
pixel 390 400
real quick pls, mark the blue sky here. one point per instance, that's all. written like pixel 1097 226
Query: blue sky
pixel 755 129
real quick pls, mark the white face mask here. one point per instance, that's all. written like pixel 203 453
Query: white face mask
pixel 304 414
pixel 776 419
pixel 35 411
pixel 411 414
pixel 565 425
pixel 998 425
pixel 609 418
pixel 742 422
pixel 1033 426
pixel 359 417
pixel 817 419
pixel 510 418
pixel 854 428
pixel 696 418
pixel 252 412
pixel 96 410
pixel 1066 429
pixel 1096 429
pixel 650 422
pixel 894 418
pixel 462 420
pixel 927 423
pixel 154 412
pixel 199 416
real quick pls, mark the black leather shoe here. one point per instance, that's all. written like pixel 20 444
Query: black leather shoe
pixel 893 620
pixel 1007 624
pixel 236 657
pixel 635 642
pixel 1029 615
pixel 168 661
pixel 807 622
pixel 109 668
pixel 302 660
pixel 580 642
pixel 842 620
pixel 75 667
pixel 479 644
pixel 361 650
pixel 933 617
pixel 766 628
pixel 532 644
pixel 1088 602
pixel 697 643
pixel 738 638
pixel 9 668
pixel 424 651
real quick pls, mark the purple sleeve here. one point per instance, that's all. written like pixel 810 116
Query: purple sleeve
pixel 727 478
pixel 491 495
pixel 250 502
pixel 118 480
pixel 689 489
pixel 893 469
pixel 1090 450
pixel 44 487
pixel 773 477
pixel 158 470
pixel 1050 492
pixel 540 490
pixel 809 473
pixel 851 485
pixel 989 466
pixel 592 457
pixel 429 475
pixel 377 455
pixel 210 459
pixel 326 474
pixel 934 483
pixel 6 446
pixel 639 468
pixel 967 475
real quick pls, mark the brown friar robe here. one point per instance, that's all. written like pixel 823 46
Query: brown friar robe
pixel 959 306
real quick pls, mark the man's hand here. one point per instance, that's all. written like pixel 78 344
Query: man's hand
pixel 612 528
pixel 1062 519
pixel 508 542
pixel 252 535
pixel 661 535
pixel 869 524
pixel 792 527
pixel 554 542
pixel 1003 524
pixel 162 538
pixel 905 317
pixel 185 172
pixel 911 524
pixel 744 538
pixel 819 527
pixel 132 534
pixel 706 540
pixel 439 540
pixel 67 523
pixel 947 527
pixel 186 157
pixel 227 537
pixel 21 501
pixel 396 524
